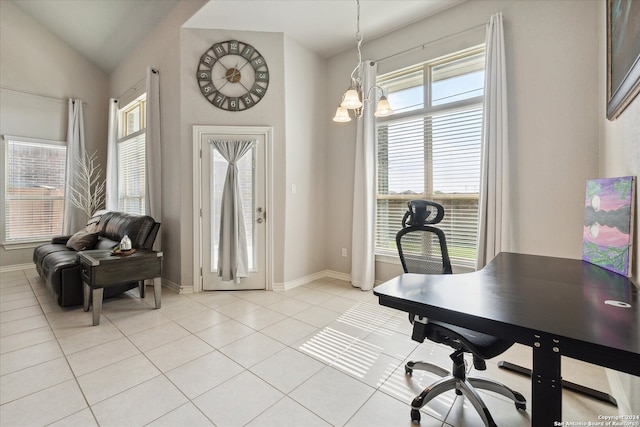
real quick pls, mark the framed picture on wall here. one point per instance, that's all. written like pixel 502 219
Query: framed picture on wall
pixel 623 54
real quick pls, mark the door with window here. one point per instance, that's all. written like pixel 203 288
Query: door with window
pixel 252 182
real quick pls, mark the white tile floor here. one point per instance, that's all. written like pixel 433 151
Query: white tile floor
pixel 319 355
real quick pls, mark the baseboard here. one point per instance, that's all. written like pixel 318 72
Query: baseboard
pixel 17 267
pixel 338 275
pixel 180 289
pixel 619 391
pixel 166 283
pixel 310 278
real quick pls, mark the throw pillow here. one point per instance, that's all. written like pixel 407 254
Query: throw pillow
pixel 82 241
pixel 93 225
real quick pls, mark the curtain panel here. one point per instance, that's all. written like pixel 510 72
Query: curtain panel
pixel 153 151
pixel 232 244
pixel 493 222
pixel 112 157
pixel 363 238
pixel 74 218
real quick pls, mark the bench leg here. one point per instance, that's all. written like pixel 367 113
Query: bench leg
pixel 97 305
pixel 157 291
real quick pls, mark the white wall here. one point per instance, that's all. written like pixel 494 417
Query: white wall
pixel 35 61
pixel 161 50
pixel 270 111
pixel 620 156
pixel 175 52
pixel 305 76
pixel 552 62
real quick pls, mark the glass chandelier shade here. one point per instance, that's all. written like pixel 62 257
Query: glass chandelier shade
pixel 342 115
pixel 383 109
pixel 351 100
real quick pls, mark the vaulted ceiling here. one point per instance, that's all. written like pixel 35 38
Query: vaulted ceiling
pixel 106 31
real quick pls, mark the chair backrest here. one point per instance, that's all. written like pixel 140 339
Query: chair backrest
pixel 421 246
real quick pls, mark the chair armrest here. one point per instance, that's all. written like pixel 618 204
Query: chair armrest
pixel 60 239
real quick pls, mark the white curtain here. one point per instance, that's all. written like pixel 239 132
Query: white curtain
pixel 232 245
pixel 153 180
pixel 112 157
pixel 364 191
pixel 74 218
pixel 494 225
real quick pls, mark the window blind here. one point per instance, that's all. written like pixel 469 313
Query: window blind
pixel 433 157
pixel 34 190
pixel 431 147
pixel 131 174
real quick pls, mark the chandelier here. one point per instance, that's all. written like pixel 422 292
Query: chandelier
pixel 354 97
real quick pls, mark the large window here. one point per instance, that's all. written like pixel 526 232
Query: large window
pixel 430 149
pixel 131 157
pixel 34 189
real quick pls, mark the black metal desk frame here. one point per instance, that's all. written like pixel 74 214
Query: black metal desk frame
pixel 554 305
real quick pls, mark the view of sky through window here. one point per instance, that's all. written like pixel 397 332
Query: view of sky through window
pixel 444 91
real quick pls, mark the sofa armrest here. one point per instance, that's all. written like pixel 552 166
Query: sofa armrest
pixel 60 239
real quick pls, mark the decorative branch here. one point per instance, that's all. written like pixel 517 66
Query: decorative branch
pixel 88 187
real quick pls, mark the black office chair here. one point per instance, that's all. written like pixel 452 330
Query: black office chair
pixel 423 249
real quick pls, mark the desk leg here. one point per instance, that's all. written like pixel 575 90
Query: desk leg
pixel 97 305
pixel 546 382
pixel 157 291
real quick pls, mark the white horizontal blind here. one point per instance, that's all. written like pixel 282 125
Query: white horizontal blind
pixel 131 174
pixel 34 189
pixel 132 157
pixel 432 153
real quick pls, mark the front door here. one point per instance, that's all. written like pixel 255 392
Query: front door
pixel 251 176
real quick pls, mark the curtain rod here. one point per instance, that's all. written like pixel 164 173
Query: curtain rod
pixel 423 45
pixel 51 98
pixel 133 88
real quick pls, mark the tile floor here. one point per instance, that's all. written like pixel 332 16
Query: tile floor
pixel 323 354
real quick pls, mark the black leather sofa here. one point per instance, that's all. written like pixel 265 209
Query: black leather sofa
pixel 58 264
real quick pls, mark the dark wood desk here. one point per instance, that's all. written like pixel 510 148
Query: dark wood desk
pixel 557 306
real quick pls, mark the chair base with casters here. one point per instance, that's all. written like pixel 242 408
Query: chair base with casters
pixel 463 385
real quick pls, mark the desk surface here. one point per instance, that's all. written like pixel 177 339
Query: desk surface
pixel 517 296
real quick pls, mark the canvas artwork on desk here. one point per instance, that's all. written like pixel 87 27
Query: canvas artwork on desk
pixel 608 223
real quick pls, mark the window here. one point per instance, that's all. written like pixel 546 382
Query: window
pixel 430 149
pixel 131 157
pixel 34 189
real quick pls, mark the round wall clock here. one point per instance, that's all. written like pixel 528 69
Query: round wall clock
pixel 233 75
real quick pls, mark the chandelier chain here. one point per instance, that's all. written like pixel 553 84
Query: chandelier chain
pixel 356 74
pixel 355 97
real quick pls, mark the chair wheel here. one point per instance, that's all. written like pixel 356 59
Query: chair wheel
pixel 520 397
pixel 408 368
pixel 415 416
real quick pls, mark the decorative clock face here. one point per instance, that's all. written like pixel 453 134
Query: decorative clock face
pixel 233 75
